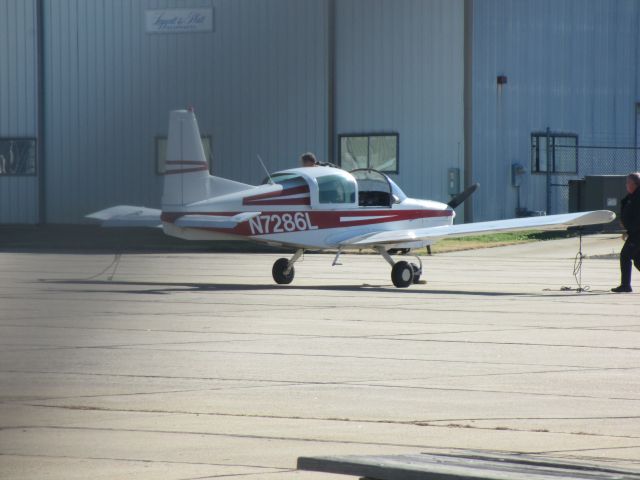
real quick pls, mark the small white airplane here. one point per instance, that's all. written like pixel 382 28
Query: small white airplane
pixel 316 208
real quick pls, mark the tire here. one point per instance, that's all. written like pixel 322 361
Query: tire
pixel 278 270
pixel 416 272
pixel 402 274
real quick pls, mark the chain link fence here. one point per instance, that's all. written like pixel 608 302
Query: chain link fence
pixel 590 161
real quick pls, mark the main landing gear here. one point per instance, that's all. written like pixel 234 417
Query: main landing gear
pixel 283 271
pixel 403 273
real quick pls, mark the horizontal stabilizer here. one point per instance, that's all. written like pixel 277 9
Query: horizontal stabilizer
pixel 549 222
pixel 214 221
pixel 128 216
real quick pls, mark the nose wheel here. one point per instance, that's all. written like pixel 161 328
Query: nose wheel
pixel 403 273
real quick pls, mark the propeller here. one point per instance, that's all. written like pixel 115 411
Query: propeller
pixel 461 197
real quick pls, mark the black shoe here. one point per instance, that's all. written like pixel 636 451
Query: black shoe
pixel 622 289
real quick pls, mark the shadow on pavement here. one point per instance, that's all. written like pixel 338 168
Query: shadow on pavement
pixel 177 287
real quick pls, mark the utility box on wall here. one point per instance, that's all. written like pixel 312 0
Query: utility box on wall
pixel 601 192
pixel 453 181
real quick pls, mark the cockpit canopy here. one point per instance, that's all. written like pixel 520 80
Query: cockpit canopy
pixel 332 186
pixel 336 189
pixel 375 189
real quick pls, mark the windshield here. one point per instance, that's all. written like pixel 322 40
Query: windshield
pixel 376 188
pixel 395 190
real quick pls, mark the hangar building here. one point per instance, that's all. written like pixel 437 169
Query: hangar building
pixel 426 90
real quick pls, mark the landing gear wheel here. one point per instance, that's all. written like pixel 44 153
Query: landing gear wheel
pixel 402 274
pixel 278 271
pixel 416 272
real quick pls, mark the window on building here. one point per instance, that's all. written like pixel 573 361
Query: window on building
pixel 17 156
pixel 559 155
pixel 378 151
pixel 161 152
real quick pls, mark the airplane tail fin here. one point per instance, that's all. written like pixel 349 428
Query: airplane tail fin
pixel 187 171
pixel 187 178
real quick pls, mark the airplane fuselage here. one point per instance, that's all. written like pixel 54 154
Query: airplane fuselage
pixel 293 213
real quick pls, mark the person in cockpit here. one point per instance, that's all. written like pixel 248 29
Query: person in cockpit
pixel 308 160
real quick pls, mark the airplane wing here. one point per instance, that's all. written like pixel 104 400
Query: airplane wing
pixel 128 216
pixel 549 222
pixel 214 221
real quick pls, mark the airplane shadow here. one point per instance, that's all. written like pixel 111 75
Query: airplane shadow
pixel 164 288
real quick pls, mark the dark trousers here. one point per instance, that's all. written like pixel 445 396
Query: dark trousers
pixel 630 253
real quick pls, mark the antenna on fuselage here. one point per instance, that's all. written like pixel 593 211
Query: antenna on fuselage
pixel 265 168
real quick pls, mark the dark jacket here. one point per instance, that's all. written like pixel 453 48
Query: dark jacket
pixel 630 213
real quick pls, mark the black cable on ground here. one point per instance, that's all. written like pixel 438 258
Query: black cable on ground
pixel 577 270
pixel 114 263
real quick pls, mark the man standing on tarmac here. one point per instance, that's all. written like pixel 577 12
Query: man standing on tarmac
pixel 630 219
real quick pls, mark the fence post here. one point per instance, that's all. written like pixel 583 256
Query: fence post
pixel 549 167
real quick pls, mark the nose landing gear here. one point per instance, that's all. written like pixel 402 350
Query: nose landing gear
pixel 403 273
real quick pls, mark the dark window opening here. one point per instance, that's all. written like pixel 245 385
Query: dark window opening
pixel 554 152
pixel 18 156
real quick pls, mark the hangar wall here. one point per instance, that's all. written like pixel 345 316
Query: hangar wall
pixel 399 68
pixel 572 66
pixel 18 103
pixel 257 82
pixel 260 83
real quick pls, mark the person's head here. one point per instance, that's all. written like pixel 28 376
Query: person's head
pixel 308 160
pixel 633 182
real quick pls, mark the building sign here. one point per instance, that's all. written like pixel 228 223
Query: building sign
pixel 179 20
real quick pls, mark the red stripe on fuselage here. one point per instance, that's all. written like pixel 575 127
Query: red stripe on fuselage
pixel 322 219
pixel 331 219
pixel 187 170
pixel 282 201
pixel 185 162
pixel 259 199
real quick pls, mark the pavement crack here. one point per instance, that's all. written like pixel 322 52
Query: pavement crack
pixel 228 475
pixel 440 423
pixel 137 460
pixel 282 438
pixel 523 344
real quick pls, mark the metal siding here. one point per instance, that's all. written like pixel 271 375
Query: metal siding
pixel 259 86
pixel 400 68
pixel 571 66
pixel 18 113
pixel 257 82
